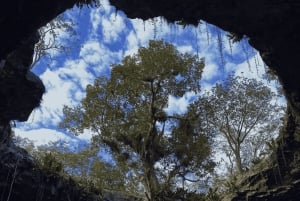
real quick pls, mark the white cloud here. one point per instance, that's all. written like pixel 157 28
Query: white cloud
pixel 132 44
pixel 43 136
pixel 185 49
pixel 105 6
pixel 58 93
pixel 112 27
pixel 98 56
pixel 110 22
pixel 177 105
pixel 90 52
pixel 66 80
pixel 206 86
pixel 95 19
pixel 249 68
pixel 141 33
pixel 144 30
pixel 230 67
pixel 65 83
pixel 210 71
pixel 86 135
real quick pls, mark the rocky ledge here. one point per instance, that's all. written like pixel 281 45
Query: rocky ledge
pixel 23 178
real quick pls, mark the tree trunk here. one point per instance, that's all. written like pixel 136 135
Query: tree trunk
pixel 238 160
pixel 150 184
pixel 239 165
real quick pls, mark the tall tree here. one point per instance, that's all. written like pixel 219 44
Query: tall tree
pixel 127 111
pixel 242 110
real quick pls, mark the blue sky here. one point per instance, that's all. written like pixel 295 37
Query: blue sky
pixel 104 37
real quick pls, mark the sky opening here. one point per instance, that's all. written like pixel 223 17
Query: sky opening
pixel 103 37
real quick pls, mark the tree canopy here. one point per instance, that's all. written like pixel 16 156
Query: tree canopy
pixel 243 111
pixel 127 111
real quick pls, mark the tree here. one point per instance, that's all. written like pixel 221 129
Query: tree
pixel 84 165
pixel 49 38
pixel 127 113
pixel 243 112
pixel 50 34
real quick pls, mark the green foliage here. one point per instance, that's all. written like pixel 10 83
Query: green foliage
pixel 49 163
pixel 84 166
pixel 25 143
pixel 242 111
pixel 127 112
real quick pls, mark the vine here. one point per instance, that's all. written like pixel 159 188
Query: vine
pixel 207 33
pixel 246 55
pixel 220 47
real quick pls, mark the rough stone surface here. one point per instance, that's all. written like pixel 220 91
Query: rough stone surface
pixel 20 90
pixel 19 19
pixel 21 179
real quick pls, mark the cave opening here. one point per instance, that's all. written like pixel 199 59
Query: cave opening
pixel 60 71
pixel 83 43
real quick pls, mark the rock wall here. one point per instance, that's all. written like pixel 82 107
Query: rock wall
pixel 22 180
pixel 21 91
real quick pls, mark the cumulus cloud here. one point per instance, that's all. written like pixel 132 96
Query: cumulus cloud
pixel 95 20
pixel 58 93
pixel 91 52
pixel 108 22
pixel 43 136
pixel 177 105
pixel 132 44
pixel 65 84
pixel 95 53
pixel 185 49
pixel 112 27
pixel 110 37
pixel 210 71
pixel 143 30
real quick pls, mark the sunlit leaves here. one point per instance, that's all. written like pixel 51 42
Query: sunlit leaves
pixel 241 108
pixel 127 111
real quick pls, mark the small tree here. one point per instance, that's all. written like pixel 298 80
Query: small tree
pixel 51 32
pixel 243 112
pixel 50 38
pixel 127 112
